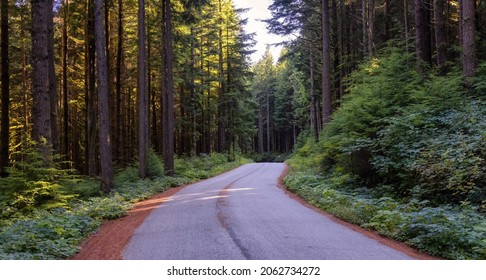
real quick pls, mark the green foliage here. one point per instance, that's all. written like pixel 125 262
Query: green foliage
pixel 205 166
pixel 155 166
pixel 82 187
pixel 32 184
pixel 270 157
pixel 435 156
pixel 404 155
pixel 49 235
pixel 109 207
pixel 445 231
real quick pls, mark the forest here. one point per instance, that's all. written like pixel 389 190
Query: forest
pixel 377 106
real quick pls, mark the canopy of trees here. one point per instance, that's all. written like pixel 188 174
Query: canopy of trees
pixel 96 83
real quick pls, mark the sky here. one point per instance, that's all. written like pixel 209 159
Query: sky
pixel 259 10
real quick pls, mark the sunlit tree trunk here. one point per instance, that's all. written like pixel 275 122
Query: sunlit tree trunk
pixel 41 130
pixel 5 77
pixel 142 91
pixel 103 103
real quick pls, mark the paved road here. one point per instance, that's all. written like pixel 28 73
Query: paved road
pixel 242 214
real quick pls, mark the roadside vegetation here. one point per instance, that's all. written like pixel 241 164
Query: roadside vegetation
pixel 45 214
pixel 405 155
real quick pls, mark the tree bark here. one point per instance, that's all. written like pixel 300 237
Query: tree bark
pixel 326 62
pixel 314 123
pixel 103 103
pixel 90 91
pixel 422 35
pixel 52 81
pixel 440 35
pixel 468 54
pixel 168 91
pixel 221 92
pixel 118 85
pixel 192 86
pixel 143 141
pixel 65 149
pixel 41 130
pixel 5 77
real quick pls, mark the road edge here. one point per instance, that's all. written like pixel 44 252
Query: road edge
pixel 397 245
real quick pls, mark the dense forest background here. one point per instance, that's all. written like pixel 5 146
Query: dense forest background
pixel 380 102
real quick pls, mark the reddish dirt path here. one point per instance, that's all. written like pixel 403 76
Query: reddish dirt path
pixel 110 240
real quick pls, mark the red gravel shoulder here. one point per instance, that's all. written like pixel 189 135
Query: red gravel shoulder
pixel 110 240
pixel 399 246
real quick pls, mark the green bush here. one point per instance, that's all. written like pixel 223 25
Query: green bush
pixel 444 231
pixel 32 184
pixel 109 207
pixel 50 235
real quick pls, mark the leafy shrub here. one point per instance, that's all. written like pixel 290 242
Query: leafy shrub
pixel 47 236
pixel 32 184
pixel 445 231
pixel 109 207
pixel 83 187
pixel 155 166
pixel 439 157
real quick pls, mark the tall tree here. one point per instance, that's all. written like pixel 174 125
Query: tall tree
pixel 41 131
pixel 90 93
pixel 167 90
pixel 5 78
pixel 65 94
pixel 53 95
pixel 440 35
pixel 118 86
pixel 468 36
pixel 326 64
pixel 142 90
pixel 422 31
pixel 103 103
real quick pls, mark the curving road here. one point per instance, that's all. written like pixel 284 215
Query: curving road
pixel 242 214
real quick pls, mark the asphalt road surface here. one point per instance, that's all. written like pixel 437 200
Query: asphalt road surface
pixel 242 214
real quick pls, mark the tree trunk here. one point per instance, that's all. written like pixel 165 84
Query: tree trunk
pixel 440 35
pixel 221 91
pixel 370 27
pixel 405 23
pixel 5 77
pixel 65 148
pixel 364 26
pixel 52 80
pixel 41 130
pixel 90 98
pixel 422 36
pixel 118 85
pixel 314 123
pixel 468 54
pixel 103 103
pixel 143 141
pixel 267 117
pixel 326 62
pixel 260 130
pixel 193 96
pixel 168 78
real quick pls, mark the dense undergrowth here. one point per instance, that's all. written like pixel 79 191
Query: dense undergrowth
pixel 405 155
pixel 45 214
